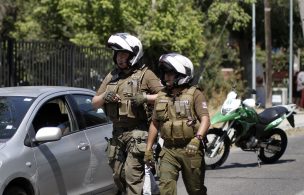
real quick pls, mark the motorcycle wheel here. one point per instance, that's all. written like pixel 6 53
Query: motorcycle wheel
pixel 277 138
pixel 223 152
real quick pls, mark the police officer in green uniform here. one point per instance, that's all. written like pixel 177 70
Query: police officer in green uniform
pixel 126 94
pixel 181 115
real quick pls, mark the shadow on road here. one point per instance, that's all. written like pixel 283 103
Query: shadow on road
pixel 254 164
pixel 285 161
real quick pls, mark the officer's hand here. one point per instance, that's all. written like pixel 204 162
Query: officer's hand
pixel 193 146
pixel 148 158
pixel 110 96
pixel 139 99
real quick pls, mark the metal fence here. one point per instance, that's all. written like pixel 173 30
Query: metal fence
pixel 50 63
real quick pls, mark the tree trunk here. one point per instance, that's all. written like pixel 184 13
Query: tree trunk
pixel 301 8
pixel 245 57
pixel 267 11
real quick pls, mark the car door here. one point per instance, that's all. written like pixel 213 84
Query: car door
pixel 97 128
pixel 63 165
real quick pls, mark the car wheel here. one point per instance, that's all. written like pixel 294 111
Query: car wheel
pixel 14 190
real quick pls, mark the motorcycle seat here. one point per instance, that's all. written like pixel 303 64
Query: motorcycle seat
pixel 271 114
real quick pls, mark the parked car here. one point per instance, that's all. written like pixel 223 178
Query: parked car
pixel 52 141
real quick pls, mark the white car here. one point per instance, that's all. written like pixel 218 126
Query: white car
pixel 52 141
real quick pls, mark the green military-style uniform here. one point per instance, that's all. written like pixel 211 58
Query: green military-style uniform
pixel 172 114
pixel 130 123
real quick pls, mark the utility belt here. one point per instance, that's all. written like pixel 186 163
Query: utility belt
pixel 118 149
pixel 176 143
pixel 117 130
pixel 179 143
pixel 115 150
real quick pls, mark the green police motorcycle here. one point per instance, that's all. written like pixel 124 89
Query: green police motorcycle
pixel 243 127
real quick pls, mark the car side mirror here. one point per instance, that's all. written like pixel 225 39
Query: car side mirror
pixel 48 134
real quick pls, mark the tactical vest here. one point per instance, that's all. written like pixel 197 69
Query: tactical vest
pixel 173 116
pixel 126 88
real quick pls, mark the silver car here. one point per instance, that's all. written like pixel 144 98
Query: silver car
pixel 52 141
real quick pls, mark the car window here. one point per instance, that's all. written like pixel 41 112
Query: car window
pixel 12 111
pixel 91 116
pixel 54 113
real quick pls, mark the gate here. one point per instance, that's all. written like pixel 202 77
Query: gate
pixel 50 63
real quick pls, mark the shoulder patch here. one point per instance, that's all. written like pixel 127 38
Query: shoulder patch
pixel 204 105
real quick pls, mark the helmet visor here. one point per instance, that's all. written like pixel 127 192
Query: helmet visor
pixel 165 67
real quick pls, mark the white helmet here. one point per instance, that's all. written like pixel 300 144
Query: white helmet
pixel 179 64
pixel 128 43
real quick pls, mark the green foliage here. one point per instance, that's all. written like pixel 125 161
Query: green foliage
pixel 81 22
pixel 163 25
pixel 280 13
pixel 24 24
pixel 7 17
pixel 280 61
pixel 91 22
pixel 231 11
pixel 215 81
pixel 222 16
pixel 279 58
pixel 173 26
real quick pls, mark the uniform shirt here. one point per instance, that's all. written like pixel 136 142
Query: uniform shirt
pixel 200 105
pixel 150 83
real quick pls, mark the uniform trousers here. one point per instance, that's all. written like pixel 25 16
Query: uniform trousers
pixel 132 173
pixel 172 161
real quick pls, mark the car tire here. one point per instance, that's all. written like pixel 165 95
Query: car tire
pixel 15 190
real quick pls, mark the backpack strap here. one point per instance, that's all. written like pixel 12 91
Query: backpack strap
pixel 139 76
pixel 191 90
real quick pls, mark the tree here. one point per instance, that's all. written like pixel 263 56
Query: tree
pixel 8 14
pixel 223 17
pixel 163 25
pixel 235 16
pixel 172 26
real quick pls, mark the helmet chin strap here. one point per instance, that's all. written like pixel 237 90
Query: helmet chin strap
pixel 128 69
pixel 168 86
pixel 174 84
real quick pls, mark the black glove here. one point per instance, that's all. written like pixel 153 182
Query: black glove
pixel 139 99
pixel 110 96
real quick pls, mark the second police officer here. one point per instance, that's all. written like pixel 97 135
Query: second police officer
pixel 125 94
pixel 181 116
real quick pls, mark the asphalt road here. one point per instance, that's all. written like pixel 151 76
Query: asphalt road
pixel 240 174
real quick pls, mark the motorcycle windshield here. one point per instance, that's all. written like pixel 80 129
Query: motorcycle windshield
pixel 220 118
pixel 230 105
